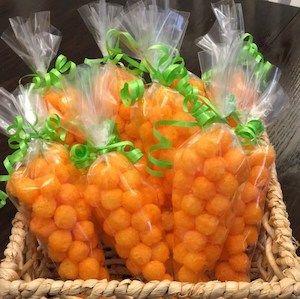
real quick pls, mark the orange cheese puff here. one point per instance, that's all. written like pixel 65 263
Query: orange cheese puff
pixel 224 272
pixel 26 190
pixel 154 270
pixel 68 194
pixel 98 254
pixel 192 205
pixel 42 227
pixel 132 200
pixel 122 251
pixel 48 184
pixel 235 244
pixel 219 236
pixel 214 168
pixel 128 237
pixel 194 241
pixel 83 211
pixel 170 240
pixel 119 219
pixel 44 207
pixel 78 251
pixel 218 205
pixel 140 254
pixel 37 167
pixel 259 176
pixel 196 262
pixel 83 230
pixel 60 240
pixel 56 256
pixel 65 217
pixel 251 234
pixel 237 226
pixel 212 253
pixel 203 188
pixel 240 262
pixel 92 195
pixel 152 236
pixel 183 220
pixel 56 154
pixel 186 275
pixel 206 224
pixel 249 193
pixel 68 270
pixel 132 267
pixel 167 221
pixel 262 157
pixel 89 268
pixel 179 253
pixel 253 213
pixel 111 199
pixel 160 252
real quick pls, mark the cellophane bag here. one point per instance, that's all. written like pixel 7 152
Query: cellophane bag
pixel 242 75
pixel 48 188
pixel 124 204
pixel 37 42
pixel 100 17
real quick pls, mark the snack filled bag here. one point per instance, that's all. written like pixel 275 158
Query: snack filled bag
pixel 125 206
pixel 240 79
pixel 45 184
pixel 36 41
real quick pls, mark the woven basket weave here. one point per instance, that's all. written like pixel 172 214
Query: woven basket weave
pixel 26 273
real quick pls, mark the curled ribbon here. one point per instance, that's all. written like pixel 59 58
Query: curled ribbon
pixel 251 131
pixel 53 77
pixel 132 91
pixel 21 134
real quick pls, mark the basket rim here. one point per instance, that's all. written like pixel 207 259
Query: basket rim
pixel 280 251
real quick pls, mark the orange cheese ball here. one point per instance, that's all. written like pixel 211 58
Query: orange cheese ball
pixel 152 236
pixel 89 268
pixel 194 241
pixel 240 262
pixel 179 253
pixel 42 227
pixel 251 234
pixel 108 178
pixel 119 219
pixel 153 212
pixel 214 168
pixel 60 240
pixel 212 253
pixel 103 274
pixel 259 176
pixel 26 190
pixel 253 213
pixel 167 220
pixel 190 204
pixel 83 211
pixel 63 173
pixel 160 252
pixel 56 256
pixel 83 230
pixel 130 179
pixel 224 272
pixel 170 240
pixel 65 217
pixel 68 194
pixel 141 221
pixel 249 193
pixel 203 188
pixel 127 237
pixel 48 184
pixel 262 157
pixel 235 244
pixel 206 224
pixel 37 167
pixel 44 207
pixel 132 267
pixel 132 200
pixel 92 195
pixel 228 185
pixel 218 205
pixel 196 262
pixel 98 255
pixel 111 199
pixel 207 146
pixel 190 162
pixel 154 270
pixel 122 251
pixel 235 160
pixel 219 236
pixel 183 220
pixel 239 207
pixel 78 251
pixel 68 270
pixel 56 154
pixel 140 254
pixel 186 275
pixel 182 181
pixel 237 226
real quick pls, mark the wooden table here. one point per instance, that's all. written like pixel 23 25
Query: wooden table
pixel 276 29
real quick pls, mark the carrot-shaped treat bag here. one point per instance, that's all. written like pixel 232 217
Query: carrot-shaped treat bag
pixel 45 184
pixel 36 41
pixel 101 19
pixel 239 75
pixel 124 204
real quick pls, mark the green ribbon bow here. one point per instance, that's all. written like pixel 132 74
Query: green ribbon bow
pixel 53 77
pixel 21 134
pixel 251 131
pixel 83 155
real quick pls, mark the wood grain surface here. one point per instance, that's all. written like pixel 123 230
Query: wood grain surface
pixel 275 27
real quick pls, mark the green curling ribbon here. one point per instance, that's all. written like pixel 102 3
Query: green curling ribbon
pixel 53 77
pixel 21 134
pixel 207 77
pixel 132 91
pixel 251 131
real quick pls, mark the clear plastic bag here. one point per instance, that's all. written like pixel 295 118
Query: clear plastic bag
pixel 125 206
pixel 245 88
pixel 209 170
pixel 48 188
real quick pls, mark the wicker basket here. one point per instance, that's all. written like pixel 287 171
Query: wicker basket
pixel 25 272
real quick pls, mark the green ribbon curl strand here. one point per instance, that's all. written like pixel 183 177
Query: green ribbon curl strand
pixel 21 134
pixel 251 131
pixel 53 77
pixel 132 91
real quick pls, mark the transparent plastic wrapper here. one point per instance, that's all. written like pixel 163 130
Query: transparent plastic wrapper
pixel 245 88
pixel 210 168
pixel 49 190
pixel 125 206
pixel 37 42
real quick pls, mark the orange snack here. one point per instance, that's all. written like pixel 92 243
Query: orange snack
pixel 78 251
pixel 60 240
pixel 154 270
pixel 44 207
pixel 89 268
pixel 140 254
pixel 68 270
pixel 83 230
pixel 65 217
